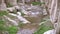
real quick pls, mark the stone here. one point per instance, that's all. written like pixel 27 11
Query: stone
pixel 50 32
pixel 11 9
pixel 25 31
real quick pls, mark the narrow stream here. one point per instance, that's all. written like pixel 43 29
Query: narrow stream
pixel 31 19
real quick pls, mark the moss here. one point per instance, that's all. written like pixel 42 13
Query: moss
pixel 9 5
pixel 3 13
pixel 38 3
pixel 2 25
pixel 45 26
pixel 14 11
pixel 12 29
pixel 22 14
pixel 42 29
pixel 21 24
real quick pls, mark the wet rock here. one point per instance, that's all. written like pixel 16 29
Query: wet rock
pixel 44 12
pixel 11 9
pixel 50 32
pixel 33 13
pixel 13 22
pixel 20 18
pixel 25 31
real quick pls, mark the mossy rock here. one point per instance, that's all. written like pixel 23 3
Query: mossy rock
pixel 3 13
pixel 38 3
pixel 9 5
pixel 12 29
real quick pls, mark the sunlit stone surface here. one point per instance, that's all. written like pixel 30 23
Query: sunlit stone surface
pixel 50 32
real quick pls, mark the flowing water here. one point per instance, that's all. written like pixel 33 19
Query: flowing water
pixel 31 19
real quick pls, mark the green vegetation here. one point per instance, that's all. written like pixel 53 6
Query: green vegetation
pixel 14 11
pixel 3 26
pixel 22 14
pixel 9 5
pixel 12 29
pixel 38 3
pixel 45 26
pixel 42 29
pixel 3 13
pixel 21 24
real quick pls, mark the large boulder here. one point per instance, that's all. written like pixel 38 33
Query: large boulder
pixel 50 32
pixel 35 14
